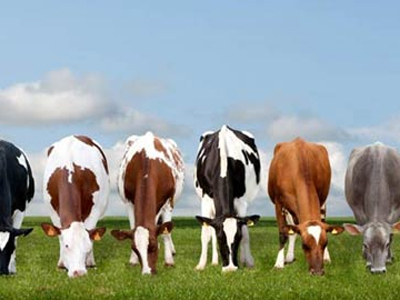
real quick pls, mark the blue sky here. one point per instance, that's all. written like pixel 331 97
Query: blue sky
pixel 325 70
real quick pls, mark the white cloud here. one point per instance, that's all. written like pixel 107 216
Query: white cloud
pixel 338 162
pixel 388 131
pixel 289 127
pixel 63 97
pixel 59 98
pixel 130 120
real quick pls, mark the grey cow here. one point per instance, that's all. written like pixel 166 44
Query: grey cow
pixel 372 190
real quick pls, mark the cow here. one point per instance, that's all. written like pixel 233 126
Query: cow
pixel 298 185
pixel 75 189
pixel 372 188
pixel 226 178
pixel 17 189
pixel 150 180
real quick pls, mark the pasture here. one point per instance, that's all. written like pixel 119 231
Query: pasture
pixel 346 277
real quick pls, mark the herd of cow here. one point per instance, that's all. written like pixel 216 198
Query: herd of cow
pixel 226 178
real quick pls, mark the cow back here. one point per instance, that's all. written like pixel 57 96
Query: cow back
pixel 299 176
pixel 151 173
pixel 372 184
pixel 18 175
pixel 227 168
pixel 76 183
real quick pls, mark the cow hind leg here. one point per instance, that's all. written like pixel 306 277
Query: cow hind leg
pixel 60 263
pixel 245 254
pixel 90 263
pixel 134 259
pixel 17 218
pixel 292 241
pixel 283 237
pixel 327 257
pixel 168 250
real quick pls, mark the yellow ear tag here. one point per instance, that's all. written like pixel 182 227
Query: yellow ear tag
pixel 291 231
pixel 97 237
pixel 250 223
pixel 334 231
pixel 165 230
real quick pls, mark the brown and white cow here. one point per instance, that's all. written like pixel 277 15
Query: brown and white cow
pixel 150 180
pixel 298 185
pixel 76 188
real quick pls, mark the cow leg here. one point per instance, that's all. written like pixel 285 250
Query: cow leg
pixel 90 263
pixel 60 263
pixel 168 254
pixel 207 233
pixel 292 240
pixel 283 237
pixel 327 257
pixel 17 218
pixel 169 249
pixel 245 253
pixel 134 259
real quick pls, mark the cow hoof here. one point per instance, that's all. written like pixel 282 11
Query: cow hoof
pixel 229 269
pixel 169 265
pixel 278 267
pixel 133 264
pixel 199 268
pixel 290 261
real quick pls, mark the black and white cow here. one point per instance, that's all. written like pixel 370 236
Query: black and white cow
pixel 372 189
pixel 226 178
pixel 16 190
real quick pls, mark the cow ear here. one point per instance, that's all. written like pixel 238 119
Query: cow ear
pixel 165 228
pixel 396 227
pixel 22 231
pixel 353 229
pixel 291 229
pixel 335 230
pixel 50 230
pixel 121 235
pixel 204 221
pixel 97 233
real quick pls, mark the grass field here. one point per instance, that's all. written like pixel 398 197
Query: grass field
pixel 346 277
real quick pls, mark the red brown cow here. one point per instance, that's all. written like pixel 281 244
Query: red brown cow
pixel 150 180
pixel 299 179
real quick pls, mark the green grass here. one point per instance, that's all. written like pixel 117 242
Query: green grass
pixel 346 277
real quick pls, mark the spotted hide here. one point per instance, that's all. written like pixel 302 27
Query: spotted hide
pixel 226 178
pixel 16 191
pixel 150 180
pixel 76 188
pixel 299 180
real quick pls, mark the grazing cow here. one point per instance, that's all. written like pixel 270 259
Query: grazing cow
pixel 76 188
pixel 226 178
pixel 299 179
pixel 16 191
pixel 372 188
pixel 149 182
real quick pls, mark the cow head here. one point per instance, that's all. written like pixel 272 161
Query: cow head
pixel 7 247
pixel 229 234
pixel 144 243
pixel 75 245
pixel 314 238
pixel 377 238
